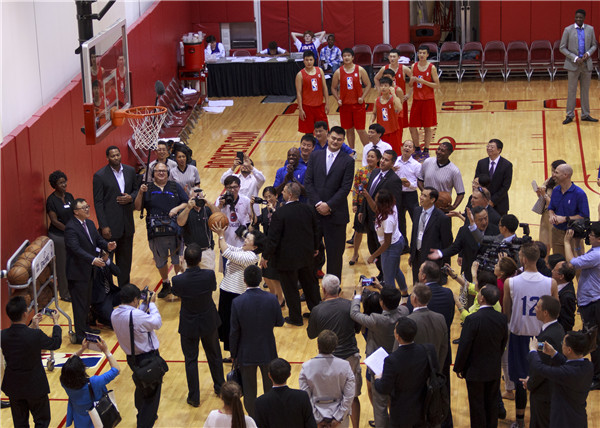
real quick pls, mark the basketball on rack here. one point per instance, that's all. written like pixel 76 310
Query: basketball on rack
pixel 25 264
pixel 26 294
pixel 44 275
pixel 41 240
pixel 33 248
pixel 18 275
pixel 444 201
pixel 28 255
pixel 45 296
pixel 218 217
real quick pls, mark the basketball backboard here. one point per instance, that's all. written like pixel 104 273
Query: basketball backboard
pixel 105 78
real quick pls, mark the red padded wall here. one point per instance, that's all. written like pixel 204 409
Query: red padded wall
pixel 275 23
pixel 399 22
pixel 304 15
pixel 545 21
pixel 239 11
pixel 368 22
pixel 490 20
pixel 337 19
pixel 514 21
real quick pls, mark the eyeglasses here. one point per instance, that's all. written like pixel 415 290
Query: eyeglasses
pixel 160 171
pixel 232 187
pixel 85 207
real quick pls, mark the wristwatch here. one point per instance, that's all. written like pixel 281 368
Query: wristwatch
pixel 568 219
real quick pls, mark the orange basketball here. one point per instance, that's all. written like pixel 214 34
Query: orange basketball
pixel 41 240
pixel 444 201
pixel 23 293
pixel 218 217
pixel 24 263
pixel 33 248
pixel 44 275
pixel 28 256
pixel 18 275
pixel 46 295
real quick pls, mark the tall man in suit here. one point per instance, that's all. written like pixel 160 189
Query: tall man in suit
pixel 83 243
pixel 198 321
pixel 500 172
pixel 254 314
pixel 293 242
pixel 577 44
pixel 564 273
pixel 540 388
pixel 381 178
pixel 283 406
pixel 328 181
pixel 478 359
pixel 115 188
pixel 25 382
pixel 431 229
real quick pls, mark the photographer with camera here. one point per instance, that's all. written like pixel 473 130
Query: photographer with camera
pixel 250 178
pixel 163 199
pixel 194 222
pixel 588 288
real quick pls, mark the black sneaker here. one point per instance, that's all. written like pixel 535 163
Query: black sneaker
pixel 165 290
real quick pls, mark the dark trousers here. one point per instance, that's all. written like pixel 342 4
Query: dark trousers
pixel 60 251
pixel 335 244
pixel 590 314
pixel 410 201
pixel 147 407
pixel 225 301
pixel 373 245
pixel 539 408
pixel 210 343
pixel 122 257
pixel 103 310
pixel 448 423
pixel 289 284
pixel 249 382
pixel 81 296
pixel 483 403
pixel 39 408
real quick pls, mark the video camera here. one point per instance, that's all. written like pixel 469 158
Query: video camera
pixel 229 199
pixel 491 247
pixel 260 201
pixel 581 228
pixel 199 200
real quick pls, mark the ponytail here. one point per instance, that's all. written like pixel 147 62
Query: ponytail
pixel 231 394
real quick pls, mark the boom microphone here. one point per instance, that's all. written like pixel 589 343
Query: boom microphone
pixel 159 88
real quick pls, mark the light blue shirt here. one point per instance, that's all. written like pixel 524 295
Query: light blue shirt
pixel 588 290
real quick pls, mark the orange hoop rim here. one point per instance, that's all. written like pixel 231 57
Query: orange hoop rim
pixel 118 116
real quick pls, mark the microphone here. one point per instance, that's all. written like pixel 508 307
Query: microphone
pixel 159 88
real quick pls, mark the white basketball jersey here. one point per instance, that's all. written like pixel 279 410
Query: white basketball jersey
pixel 525 291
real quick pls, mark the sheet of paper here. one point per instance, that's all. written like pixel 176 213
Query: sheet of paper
pixel 214 109
pixel 261 59
pixel 220 103
pixel 375 361
pixel 282 58
pixel 189 91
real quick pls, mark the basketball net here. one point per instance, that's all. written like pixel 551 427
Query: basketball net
pixel 146 122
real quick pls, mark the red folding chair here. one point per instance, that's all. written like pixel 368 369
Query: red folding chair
pixel 380 55
pixel 517 58
pixel 450 56
pixel 471 59
pixel 559 59
pixel 407 50
pixel 541 57
pixel 494 59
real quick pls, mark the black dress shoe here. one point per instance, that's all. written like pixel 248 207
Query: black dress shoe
pixel 4 404
pixel 456 341
pixel 93 330
pixel 502 413
pixel 568 120
pixel 193 403
pixel 66 299
pixel 371 423
pixel 289 321
pixel 227 360
pixel 306 315
pixel 589 119
pixel 595 385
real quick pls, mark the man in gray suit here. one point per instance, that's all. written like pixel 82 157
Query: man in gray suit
pixel 578 43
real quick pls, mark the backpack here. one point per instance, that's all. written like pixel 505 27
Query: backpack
pixel 437 398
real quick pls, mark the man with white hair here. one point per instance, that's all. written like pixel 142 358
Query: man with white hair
pixel 333 313
pixel 568 202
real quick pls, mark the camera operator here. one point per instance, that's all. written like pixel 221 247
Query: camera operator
pixel 194 221
pixel 588 289
pixel 250 179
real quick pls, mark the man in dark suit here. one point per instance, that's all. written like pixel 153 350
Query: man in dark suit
pixel 105 294
pixel 563 273
pixel 25 382
pixel 540 388
pixel 500 172
pixel 254 314
pixel 480 198
pixel 328 181
pixel 431 229
pixel 466 240
pixel 283 406
pixel 405 375
pixel 293 242
pixel 478 359
pixel 381 178
pixel 83 243
pixel 198 321
pixel 115 188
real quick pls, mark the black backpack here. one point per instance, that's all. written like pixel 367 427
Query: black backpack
pixel 437 398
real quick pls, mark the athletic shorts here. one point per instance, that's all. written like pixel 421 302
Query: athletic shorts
pixel 354 361
pixel 423 114
pixel 404 120
pixel 353 116
pixel 313 114
pixel 518 354
pixel 394 139
pixel 162 247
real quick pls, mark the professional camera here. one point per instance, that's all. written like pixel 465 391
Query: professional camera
pixel 491 247
pixel 581 228
pixel 199 200
pixel 241 232
pixel 228 198
pixel 258 200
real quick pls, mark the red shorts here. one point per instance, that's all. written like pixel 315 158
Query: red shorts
pixel 353 116
pixel 423 114
pixel 313 114
pixel 394 139
pixel 404 120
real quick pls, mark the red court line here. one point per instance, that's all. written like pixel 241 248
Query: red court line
pixel 583 167
pixel 263 135
pixel 544 141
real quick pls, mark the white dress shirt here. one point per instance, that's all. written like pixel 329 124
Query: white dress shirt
pixel 119 177
pixel 144 324
pixel 409 170
pixel 382 146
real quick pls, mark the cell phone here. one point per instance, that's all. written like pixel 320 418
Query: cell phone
pixel 540 346
pixel 240 156
pixel 365 282
pixel 360 188
pixel 48 311
pixel 91 337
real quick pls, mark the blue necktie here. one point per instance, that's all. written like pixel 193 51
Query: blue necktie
pixel 581 41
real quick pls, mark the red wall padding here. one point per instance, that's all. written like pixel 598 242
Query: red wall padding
pixel 239 11
pixel 275 23
pixel 545 21
pixel 490 21
pixel 368 23
pixel 303 15
pixel 514 20
pixel 399 22
pixel 338 17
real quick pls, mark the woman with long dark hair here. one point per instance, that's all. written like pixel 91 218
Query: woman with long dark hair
pixel 545 191
pixel 76 383
pixel 232 412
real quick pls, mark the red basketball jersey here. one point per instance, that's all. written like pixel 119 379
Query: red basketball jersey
pixel 312 88
pixel 421 91
pixel 350 86
pixel 386 115
pixel 399 78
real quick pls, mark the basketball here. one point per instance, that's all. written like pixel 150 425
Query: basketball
pixel 44 275
pixel 26 294
pixel 218 217
pixel 18 275
pixel 41 240
pixel 33 248
pixel 24 263
pixel 45 296
pixel 444 201
pixel 28 255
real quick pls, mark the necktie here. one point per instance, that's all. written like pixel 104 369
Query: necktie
pixel 375 184
pixel 87 231
pixel 492 168
pixel 329 161
pixel 421 230
pixel 106 282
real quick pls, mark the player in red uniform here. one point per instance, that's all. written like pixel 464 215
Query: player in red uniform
pixel 423 111
pixel 311 94
pixel 400 74
pixel 351 97
pixel 385 113
pixel 389 73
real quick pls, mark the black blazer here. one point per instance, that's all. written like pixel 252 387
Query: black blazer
pixel 442 302
pixel 80 250
pixel 293 237
pixel 571 385
pixel 568 305
pixel 98 289
pixel 284 407
pixel 198 315
pixel 493 216
pixel 501 181
pixel 24 376
pixel 110 213
pixel 437 234
pixel 391 182
pixel 254 314
pixel 537 383
pixel 482 342
pixel 405 374
pixel 332 188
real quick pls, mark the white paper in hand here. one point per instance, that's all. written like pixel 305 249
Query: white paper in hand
pixel 375 361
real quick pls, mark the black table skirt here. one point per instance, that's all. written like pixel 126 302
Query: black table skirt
pixel 240 79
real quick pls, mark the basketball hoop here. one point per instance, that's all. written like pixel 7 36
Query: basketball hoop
pixel 145 121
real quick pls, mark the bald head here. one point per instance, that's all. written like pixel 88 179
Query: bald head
pixel 566 169
pixel 293 156
pixel 562 174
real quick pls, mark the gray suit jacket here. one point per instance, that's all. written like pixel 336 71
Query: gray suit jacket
pixel 431 328
pixel 569 46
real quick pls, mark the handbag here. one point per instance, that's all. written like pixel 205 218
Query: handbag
pixel 235 376
pixel 104 413
pixel 148 375
pixel 540 205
